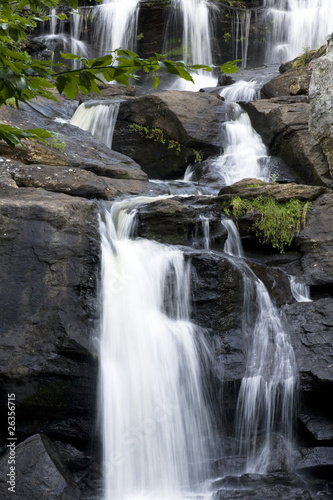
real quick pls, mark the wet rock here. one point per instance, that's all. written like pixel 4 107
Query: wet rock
pixel 321 103
pixel 49 255
pixel 319 425
pixel 40 473
pixel 316 243
pixel 166 136
pixel 252 188
pixel 316 462
pixel 283 127
pixel 310 329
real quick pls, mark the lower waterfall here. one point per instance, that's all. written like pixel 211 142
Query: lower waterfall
pixel 156 425
pixel 267 397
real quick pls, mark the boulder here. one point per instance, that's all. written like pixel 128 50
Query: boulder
pixel 38 474
pixel 283 126
pixel 321 103
pixel 49 255
pixel 316 462
pixel 316 242
pixel 158 132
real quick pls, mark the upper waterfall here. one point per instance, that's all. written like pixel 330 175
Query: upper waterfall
pixel 294 26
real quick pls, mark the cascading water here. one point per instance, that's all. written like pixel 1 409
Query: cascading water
pixel 294 26
pixel 245 155
pixel 196 39
pixel 300 291
pixel 156 425
pixel 266 399
pixel 99 117
pixel 115 25
pixel 241 31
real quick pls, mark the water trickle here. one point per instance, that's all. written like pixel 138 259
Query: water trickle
pixel 245 155
pixel 99 117
pixel 241 31
pixel 295 25
pixel 266 400
pixel 300 291
pixel 233 245
pixel 115 25
pixel 156 425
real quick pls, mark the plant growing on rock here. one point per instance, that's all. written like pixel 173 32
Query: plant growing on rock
pixel 277 223
pixel 23 78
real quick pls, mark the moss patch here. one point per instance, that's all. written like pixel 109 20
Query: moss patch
pixel 277 223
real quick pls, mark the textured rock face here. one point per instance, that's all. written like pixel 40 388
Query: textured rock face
pixel 164 131
pixel 321 101
pixel 40 473
pixel 283 125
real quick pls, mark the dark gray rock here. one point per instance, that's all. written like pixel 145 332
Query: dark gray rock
pixel 316 462
pixel 39 471
pixel 284 129
pixel 178 133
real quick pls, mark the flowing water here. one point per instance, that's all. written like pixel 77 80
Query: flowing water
pixel 156 426
pixel 99 117
pixel 115 25
pixel 266 400
pixel 300 291
pixel 293 26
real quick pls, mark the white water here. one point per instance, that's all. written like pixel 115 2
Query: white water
pixel 245 155
pixel 293 25
pixel 241 91
pixel 266 400
pixel 99 117
pixel 156 427
pixel 115 25
pixel 300 291
pixel 241 28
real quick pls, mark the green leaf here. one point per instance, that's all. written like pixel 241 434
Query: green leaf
pixel 156 80
pixel 230 67
pixel 69 56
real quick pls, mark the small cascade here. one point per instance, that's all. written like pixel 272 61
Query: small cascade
pixel 245 155
pixel 266 400
pixel 115 25
pixel 99 117
pixel 296 26
pixel 206 231
pixel 300 291
pixel 195 19
pixel 241 91
pixel 156 425
pixel 79 30
pixel 241 32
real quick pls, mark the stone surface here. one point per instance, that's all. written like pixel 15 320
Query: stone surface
pixel 283 126
pixel 184 133
pixel 40 473
pixel 49 255
pixel 321 102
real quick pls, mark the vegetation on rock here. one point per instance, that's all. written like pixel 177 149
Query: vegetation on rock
pixel 277 223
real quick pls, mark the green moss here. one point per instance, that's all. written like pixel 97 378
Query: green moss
pixel 277 222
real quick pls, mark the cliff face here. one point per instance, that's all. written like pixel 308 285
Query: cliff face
pixel 50 264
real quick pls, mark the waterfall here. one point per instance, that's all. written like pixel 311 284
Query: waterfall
pixel 300 291
pixel 294 26
pixel 156 425
pixel 241 31
pixel 99 117
pixel 195 19
pixel 266 400
pixel 245 155
pixel 115 25
pixel 241 91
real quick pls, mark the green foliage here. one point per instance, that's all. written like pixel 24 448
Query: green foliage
pixel 198 156
pixel 277 222
pixel 226 37
pixel 303 59
pixel 58 142
pixel 230 67
pixel 23 78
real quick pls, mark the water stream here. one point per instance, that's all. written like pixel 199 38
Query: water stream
pixel 156 423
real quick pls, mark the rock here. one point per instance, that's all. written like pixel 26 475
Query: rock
pixel 252 188
pixel 321 102
pixel 157 131
pixel 283 127
pixel 73 147
pixel 224 80
pixel 49 253
pixel 316 462
pixel 318 424
pixel 40 473
pixel 296 81
pixel 310 329
pixel 179 221
pixel 316 242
